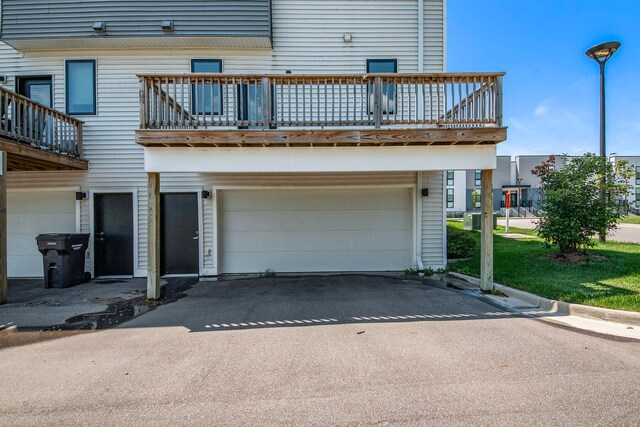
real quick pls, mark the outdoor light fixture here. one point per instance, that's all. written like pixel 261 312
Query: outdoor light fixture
pixel 601 54
pixel 347 38
pixel 603 51
pixel 99 26
pixel 166 25
pixel 81 195
pixel 206 194
pixel 425 192
pixel 3 79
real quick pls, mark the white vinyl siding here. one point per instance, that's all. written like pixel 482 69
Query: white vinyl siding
pixel 433 222
pixel 307 38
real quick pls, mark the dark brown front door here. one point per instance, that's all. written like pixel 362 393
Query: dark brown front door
pixel 113 239
pixel 180 237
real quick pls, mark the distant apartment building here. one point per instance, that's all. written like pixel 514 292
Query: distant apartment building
pixel 515 177
pixel 633 198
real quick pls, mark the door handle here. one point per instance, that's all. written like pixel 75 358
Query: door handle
pixel 197 235
pixel 101 236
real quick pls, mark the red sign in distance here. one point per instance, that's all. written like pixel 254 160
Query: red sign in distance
pixel 508 200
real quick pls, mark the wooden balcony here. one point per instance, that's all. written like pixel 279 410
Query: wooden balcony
pixel 36 137
pixel 228 110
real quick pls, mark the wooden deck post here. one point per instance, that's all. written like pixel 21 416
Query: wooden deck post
pixel 3 227
pixel 486 251
pixel 153 236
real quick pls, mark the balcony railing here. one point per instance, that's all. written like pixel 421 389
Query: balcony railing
pixel 210 101
pixel 25 121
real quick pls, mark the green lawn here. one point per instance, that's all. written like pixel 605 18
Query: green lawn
pixel 631 219
pixel 612 283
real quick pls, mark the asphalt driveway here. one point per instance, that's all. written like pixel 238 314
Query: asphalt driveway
pixel 363 351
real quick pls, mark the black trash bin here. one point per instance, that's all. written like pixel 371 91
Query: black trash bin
pixel 63 258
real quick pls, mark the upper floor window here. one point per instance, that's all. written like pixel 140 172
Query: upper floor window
pixel 378 66
pixel 478 178
pixel 450 178
pixel 637 175
pixel 450 198
pixel 204 96
pixel 80 79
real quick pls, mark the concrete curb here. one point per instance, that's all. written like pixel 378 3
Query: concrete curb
pixel 4 333
pixel 561 307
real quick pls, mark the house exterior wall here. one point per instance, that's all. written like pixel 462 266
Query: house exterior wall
pixel 32 24
pixel 307 38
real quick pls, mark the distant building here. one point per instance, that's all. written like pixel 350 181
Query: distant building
pixel 633 198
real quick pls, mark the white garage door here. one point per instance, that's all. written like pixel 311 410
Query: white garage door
pixel 315 230
pixel 30 214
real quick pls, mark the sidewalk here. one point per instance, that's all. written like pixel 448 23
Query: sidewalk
pixel 32 306
pixel 618 323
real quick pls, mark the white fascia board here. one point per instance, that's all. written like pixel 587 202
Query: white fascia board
pixel 301 160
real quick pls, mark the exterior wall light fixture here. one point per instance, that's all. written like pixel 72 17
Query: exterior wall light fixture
pixel 99 26
pixel 166 25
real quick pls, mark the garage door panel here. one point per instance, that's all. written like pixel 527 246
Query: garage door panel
pixel 41 202
pixel 30 214
pixel 316 230
pixel 316 200
pixel 34 224
pixel 318 220
pixel 320 261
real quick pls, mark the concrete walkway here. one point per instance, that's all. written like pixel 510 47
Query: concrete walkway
pixel 32 306
pixel 368 351
pixel 625 232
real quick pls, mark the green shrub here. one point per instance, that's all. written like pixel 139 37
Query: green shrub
pixel 459 243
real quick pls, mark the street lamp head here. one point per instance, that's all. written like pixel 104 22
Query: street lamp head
pixel 602 52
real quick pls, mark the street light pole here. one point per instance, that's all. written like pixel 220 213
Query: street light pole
pixel 601 54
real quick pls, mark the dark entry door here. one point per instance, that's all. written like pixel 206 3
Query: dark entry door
pixel 113 240
pixel 179 233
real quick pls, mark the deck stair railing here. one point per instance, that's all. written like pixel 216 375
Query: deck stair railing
pixel 202 101
pixel 27 122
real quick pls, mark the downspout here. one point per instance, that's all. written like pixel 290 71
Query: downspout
pixel 418 231
pixel 420 36
pixel 418 222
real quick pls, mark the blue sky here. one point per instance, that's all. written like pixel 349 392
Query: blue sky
pixel 552 89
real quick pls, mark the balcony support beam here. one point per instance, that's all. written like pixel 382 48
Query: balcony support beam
pixel 320 138
pixel 486 251
pixel 3 228
pixel 153 236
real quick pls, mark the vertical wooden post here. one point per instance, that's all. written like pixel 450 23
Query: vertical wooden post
pixel 486 251
pixel 266 103
pixel 3 227
pixel 153 236
pixel 377 102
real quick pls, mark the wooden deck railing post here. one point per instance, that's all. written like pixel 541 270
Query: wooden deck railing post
pixel 79 147
pixel 499 101
pixel 377 102
pixel 266 103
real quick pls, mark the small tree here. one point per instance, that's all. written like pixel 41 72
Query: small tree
pixel 475 197
pixel 572 202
